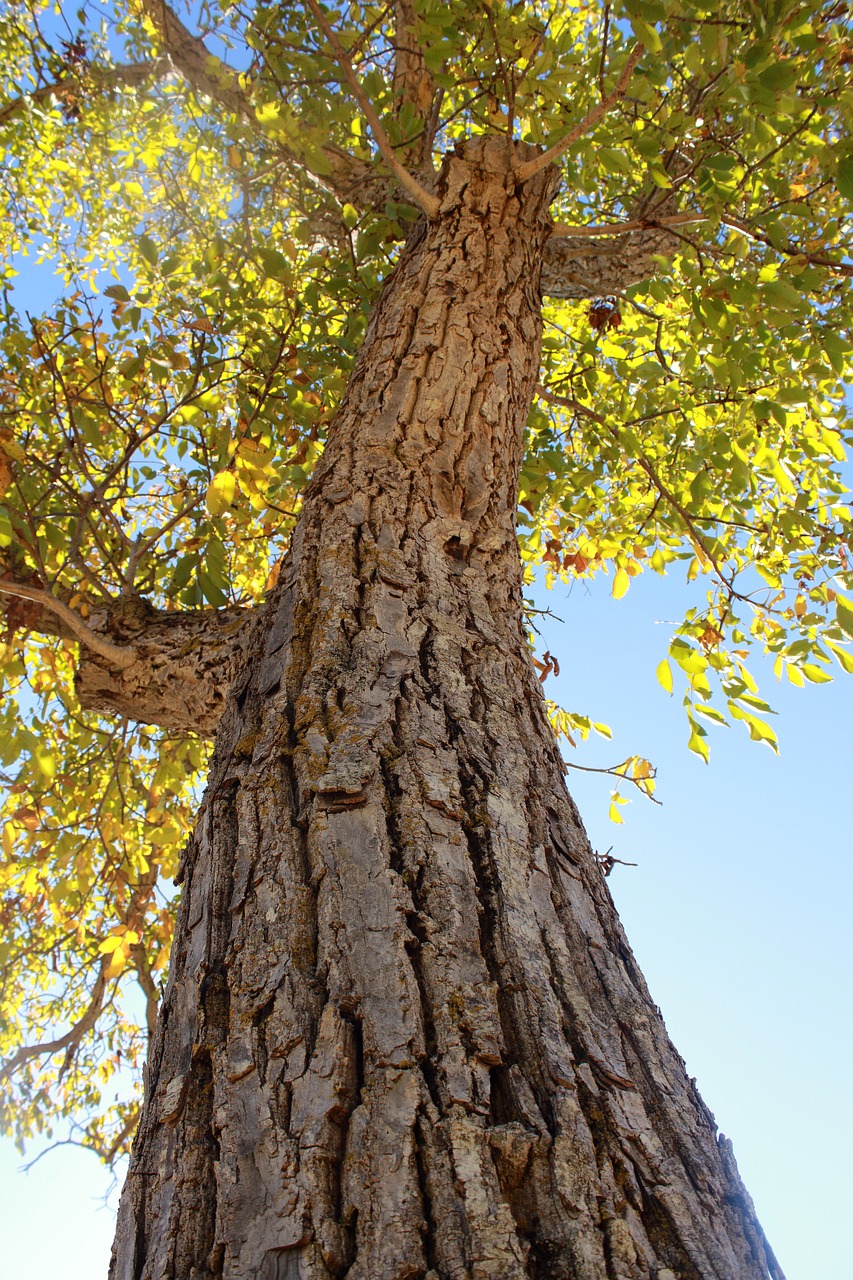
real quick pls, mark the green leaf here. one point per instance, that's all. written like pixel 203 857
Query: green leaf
pixel 844 615
pixel 275 264
pixel 844 177
pixel 148 249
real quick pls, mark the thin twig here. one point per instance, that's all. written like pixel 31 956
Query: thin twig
pixel 118 655
pixel 143 545
pixel 423 198
pixel 613 772
pixel 532 167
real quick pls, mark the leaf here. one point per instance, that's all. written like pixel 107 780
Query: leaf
pixel 148 249
pixel 664 675
pixel 613 813
pixel 117 292
pixel 117 962
pixel 697 742
pixel 621 583
pixel 46 763
pixel 845 658
pixel 844 615
pixel 844 177
pixel 275 264
pixel 220 492
pixel 817 675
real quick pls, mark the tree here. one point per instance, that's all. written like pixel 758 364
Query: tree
pixel 271 483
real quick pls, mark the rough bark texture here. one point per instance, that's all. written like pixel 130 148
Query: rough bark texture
pixel 403 1034
pixel 176 669
pixel 182 669
pixel 593 268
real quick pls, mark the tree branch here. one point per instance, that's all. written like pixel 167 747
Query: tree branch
pixel 72 1037
pixel 199 67
pixel 118 655
pixel 526 171
pixel 562 231
pixel 125 76
pixel 413 84
pixel 181 670
pixel 422 198
pixel 347 178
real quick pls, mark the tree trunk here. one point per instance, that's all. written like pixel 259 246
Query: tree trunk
pixel 403 1034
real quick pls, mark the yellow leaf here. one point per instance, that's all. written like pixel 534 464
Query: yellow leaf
pixel 116 964
pixel 220 492
pixel 11 447
pixel 816 674
pixel 46 763
pixel 697 743
pixel 664 675
pixel 621 583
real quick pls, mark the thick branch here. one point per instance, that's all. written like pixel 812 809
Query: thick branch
pixel 199 67
pixel 602 232
pixel 171 669
pixel 125 76
pixel 593 264
pixel 347 177
pixel 181 669
pixel 72 1037
pixel 413 84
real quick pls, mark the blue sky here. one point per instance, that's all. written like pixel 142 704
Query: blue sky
pixel 738 913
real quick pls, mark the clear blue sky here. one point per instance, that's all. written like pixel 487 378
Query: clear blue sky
pixel 738 913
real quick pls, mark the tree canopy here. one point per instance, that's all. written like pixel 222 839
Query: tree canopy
pixel 216 194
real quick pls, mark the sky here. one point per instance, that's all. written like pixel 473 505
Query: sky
pixel 738 912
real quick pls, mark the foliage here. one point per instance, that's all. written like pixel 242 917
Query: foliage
pixel 212 225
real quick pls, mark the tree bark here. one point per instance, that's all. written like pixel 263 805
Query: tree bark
pixel 403 1034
